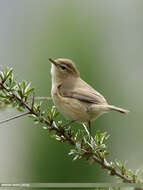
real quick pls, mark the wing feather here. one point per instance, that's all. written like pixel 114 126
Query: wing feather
pixel 81 94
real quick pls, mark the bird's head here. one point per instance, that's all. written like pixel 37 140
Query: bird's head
pixel 63 68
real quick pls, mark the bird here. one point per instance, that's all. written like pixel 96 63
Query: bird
pixel 75 99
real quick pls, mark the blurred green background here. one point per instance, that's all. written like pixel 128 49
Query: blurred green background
pixel 105 39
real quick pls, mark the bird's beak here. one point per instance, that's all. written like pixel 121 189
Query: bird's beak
pixel 53 62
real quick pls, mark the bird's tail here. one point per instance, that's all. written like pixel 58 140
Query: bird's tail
pixel 123 111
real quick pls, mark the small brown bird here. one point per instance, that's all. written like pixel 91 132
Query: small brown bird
pixel 73 97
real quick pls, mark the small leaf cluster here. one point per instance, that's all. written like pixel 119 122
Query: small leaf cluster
pixel 126 172
pixel 88 146
pixel 13 93
pixel 95 149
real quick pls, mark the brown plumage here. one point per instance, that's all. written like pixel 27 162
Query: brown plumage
pixel 74 98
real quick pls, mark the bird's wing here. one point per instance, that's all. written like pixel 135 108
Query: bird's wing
pixel 86 93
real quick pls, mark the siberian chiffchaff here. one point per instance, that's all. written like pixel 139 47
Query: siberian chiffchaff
pixel 73 97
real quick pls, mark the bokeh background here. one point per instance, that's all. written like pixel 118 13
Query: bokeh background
pixel 105 39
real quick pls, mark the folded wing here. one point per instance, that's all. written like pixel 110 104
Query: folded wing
pixel 81 91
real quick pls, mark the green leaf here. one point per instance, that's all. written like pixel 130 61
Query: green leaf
pixel 2 96
pixel 9 73
pixel 76 157
pixel 29 91
pixel 19 93
pixel 24 83
pixel 2 76
pixel 20 109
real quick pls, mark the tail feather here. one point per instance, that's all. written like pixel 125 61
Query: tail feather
pixel 123 111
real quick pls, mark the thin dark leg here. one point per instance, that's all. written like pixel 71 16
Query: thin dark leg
pixel 89 126
pixel 68 123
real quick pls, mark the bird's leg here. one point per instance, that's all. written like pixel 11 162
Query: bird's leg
pixel 89 128
pixel 68 123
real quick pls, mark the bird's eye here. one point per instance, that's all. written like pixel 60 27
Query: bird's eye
pixel 63 67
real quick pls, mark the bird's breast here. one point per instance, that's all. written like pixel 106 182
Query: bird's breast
pixel 71 108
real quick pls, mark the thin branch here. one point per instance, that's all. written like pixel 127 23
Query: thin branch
pixel 112 170
pixel 15 117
